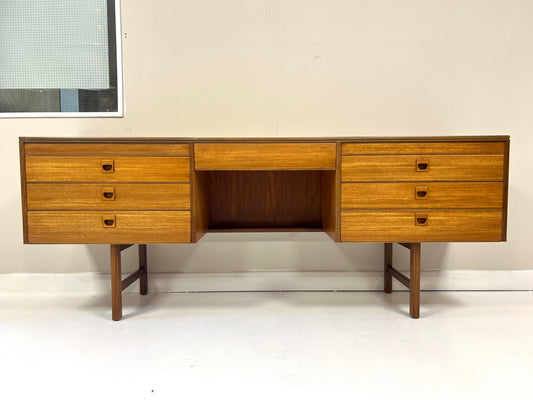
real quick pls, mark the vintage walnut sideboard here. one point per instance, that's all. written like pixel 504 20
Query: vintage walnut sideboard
pixel 129 191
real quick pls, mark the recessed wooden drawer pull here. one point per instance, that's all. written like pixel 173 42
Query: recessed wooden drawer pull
pixel 109 221
pixel 108 166
pixel 108 194
pixel 421 192
pixel 421 219
pixel 422 164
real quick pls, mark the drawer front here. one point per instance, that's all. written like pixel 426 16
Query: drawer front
pixel 481 167
pixel 421 226
pixel 106 169
pixel 120 227
pixel 424 148
pixel 264 156
pixel 119 196
pixel 115 149
pixel 422 195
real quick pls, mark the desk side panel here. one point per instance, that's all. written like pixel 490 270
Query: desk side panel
pixel 24 197
pixel 505 198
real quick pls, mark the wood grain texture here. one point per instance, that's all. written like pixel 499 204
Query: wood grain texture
pixel 87 227
pixel 266 199
pixel 89 169
pixel 443 226
pixel 113 149
pixel 264 156
pixel 127 196
pixel 439 195
pixel 424 148
pixel 481 167
pixel 57 169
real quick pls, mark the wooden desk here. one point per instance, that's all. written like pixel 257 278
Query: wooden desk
pixel 173 190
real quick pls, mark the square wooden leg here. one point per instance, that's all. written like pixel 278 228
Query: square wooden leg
pixel 414 281
pixel 116 282
pixel 143 279
pixel 387 275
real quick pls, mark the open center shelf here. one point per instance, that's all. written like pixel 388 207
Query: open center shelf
pixel 266 200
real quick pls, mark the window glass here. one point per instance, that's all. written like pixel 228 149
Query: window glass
pixel 60 57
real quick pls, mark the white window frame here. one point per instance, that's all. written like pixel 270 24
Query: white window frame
pixel 120 87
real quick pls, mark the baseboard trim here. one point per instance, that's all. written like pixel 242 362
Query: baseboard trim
pixel 268 281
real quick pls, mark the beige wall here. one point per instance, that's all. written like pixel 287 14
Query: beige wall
pixel 307 68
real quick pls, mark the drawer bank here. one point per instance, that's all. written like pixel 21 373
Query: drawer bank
pixel 125 191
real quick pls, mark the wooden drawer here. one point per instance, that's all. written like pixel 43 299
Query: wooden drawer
pixel 264 156
pixel 480 167
pixel 125 227
pixel 106 169
pixel 118 196
pixel 424 148
pixel 421 226
pixel 114 149
pixel 422 195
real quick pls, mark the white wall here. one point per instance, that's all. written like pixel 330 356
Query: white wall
pixel 307 68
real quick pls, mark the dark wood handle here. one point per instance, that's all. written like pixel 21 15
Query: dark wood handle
pixel 421 219
pixel 421 192
pixel 108 166
pixel 108 194
pixel 422 164
pixel 109 221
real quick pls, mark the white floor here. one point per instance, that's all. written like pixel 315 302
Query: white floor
pixel 357 345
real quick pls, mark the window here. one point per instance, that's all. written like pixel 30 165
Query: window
pixel 60 58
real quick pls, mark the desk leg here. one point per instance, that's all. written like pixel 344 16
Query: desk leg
pixel 412 283
pixel 143 279
pixel 118 284
pixel 387 277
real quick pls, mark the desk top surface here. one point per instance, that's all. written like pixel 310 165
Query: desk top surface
pixel 352 139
